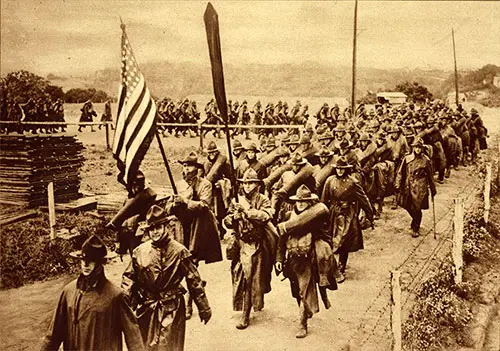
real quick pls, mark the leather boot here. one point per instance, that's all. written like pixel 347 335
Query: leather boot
pixel 394 203
pixel 302 332
pixel 324 297
pixel 245 316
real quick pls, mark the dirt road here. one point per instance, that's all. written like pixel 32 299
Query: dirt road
pixel 359 316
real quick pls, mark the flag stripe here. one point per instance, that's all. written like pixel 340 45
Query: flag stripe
pixel 129 115
pixel 136 120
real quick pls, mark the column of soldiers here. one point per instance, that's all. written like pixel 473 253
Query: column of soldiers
pixel 43 109
pixel 186 111
pixel 303 201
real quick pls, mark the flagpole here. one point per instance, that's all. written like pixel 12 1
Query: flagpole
pixel 165 161
pixel 353 92
pixel 456 71
pixel 212 28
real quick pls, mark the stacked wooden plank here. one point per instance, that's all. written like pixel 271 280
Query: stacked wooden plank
pixel 28 163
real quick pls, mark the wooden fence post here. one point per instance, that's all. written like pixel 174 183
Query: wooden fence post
pixel 487 191
pixel 200 131
pixel 396 310
pixel 52 210
pixel 498 167
pixel 108 146
pixel 458 238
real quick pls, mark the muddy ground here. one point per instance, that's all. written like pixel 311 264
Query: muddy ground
pixel 359 316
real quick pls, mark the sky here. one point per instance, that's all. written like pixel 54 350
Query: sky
pixel 80 37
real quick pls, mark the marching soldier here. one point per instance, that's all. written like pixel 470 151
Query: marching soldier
pixel 344 195
pixel 106 115
pixel 88 113
pixel 152 282
pixel 92 313
pixel 308 150
pixel 324 168
pixel 305 255
pixel 252 249
pixel 413 181
pixel 193 206
pixel 252 162
pixel 218 172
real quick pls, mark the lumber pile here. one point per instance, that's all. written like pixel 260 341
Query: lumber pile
pixel 28 163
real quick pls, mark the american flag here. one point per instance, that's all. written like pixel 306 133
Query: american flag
pixel 136 118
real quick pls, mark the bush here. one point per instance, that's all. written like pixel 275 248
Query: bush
pixel 474 235
pixel 439 310
pixel 29 255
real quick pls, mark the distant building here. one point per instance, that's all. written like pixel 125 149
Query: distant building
pixel 496 81
pixel 392 97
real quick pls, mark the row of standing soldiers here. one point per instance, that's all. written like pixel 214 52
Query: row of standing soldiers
pixel 43 109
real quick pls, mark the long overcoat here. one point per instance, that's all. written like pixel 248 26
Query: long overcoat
pixel 414 179
pixel 343 196
pixel 253 255
pixel 93 319
pixel 152 282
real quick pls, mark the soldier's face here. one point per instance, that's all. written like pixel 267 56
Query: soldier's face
pixel 340 172
pixel 364 144
pixel 188 169
pixel 323 160
pixel 293 147
pixel 87 267
pixel 296 168
pixel 302 205
pixel 212 156
pixel 417 150
pixel 251 154
pixel 156 233
pixel 248 187
pixel 394 136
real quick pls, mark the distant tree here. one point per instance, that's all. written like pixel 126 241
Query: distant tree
pixel 55 92
pixel 415 92
pixel 78 95
pixel 23 85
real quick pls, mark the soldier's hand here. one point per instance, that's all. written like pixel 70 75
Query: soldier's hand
pixel 178 200
pixel 279 267
pixel 281 228
pixel 205 315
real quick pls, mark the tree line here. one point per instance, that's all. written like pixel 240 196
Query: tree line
pixel 23 85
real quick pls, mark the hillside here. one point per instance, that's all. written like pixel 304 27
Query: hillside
pixel 307 79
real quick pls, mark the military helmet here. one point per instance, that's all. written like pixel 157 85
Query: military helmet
pixel 365 137
pixel 212 147
pixel 418 142
pixel 252 147
pixel 324 152
pixel 250 176
pixel 237 145
pixel 343 163
pixel 303 194
pixel 326 136
pixel 297 159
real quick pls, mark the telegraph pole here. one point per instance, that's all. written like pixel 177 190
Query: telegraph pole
pixel 456 71
pixel 355 34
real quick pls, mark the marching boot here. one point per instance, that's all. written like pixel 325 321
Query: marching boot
pixel 447 173
pixel 245 316
pixel 189 307
pixel 324 297
pixel 302 332
pixel 394 203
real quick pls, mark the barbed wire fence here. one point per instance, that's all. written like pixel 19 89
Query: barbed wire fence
pixel 381 322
